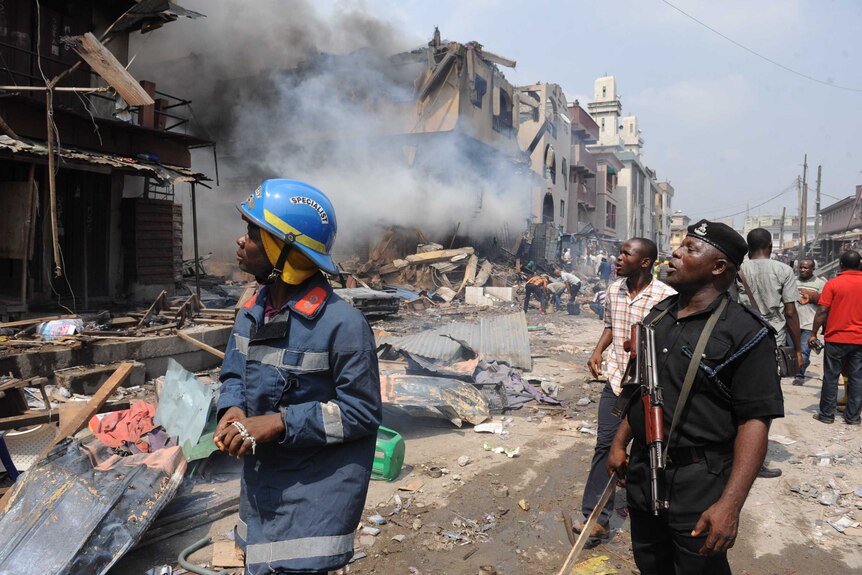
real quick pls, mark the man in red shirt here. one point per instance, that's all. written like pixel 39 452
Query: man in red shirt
pixel 841 314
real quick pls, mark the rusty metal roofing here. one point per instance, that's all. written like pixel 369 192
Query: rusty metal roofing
pixel 166 174
pixel 502 337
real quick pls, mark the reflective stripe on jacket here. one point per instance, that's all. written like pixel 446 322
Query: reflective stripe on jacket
pixel 315 363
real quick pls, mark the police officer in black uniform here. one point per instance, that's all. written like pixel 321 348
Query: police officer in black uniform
pixel 720 440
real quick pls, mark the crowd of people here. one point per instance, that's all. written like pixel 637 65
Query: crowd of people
pixel 729 321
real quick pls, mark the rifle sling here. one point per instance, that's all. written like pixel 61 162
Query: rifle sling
pixel 692 369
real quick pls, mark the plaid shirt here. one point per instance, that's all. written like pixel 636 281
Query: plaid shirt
pixel 621 313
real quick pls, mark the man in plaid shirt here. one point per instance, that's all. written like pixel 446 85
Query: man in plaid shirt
pixel 628 300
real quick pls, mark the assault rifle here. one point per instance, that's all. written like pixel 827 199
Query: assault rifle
pixel 642 377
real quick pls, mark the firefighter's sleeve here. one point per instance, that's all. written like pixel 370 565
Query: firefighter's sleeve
pixel 232 393
pixel 355 411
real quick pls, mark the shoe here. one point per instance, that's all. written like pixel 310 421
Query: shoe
pixel 853 422
pixel 768 472
pixel 823 418
pixel 600 534
pixel 798 381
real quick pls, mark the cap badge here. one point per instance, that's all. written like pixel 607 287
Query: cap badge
pixel 701 229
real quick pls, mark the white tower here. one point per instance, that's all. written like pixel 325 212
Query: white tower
pixel 631 134
pixel 606 110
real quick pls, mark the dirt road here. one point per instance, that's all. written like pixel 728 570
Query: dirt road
pixel 470 516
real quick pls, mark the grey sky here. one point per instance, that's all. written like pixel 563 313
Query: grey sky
pixel 723 125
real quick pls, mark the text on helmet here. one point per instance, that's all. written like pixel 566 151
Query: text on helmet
pixel 324 218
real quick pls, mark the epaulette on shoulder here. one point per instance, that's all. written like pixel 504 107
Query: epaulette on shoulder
pixel 758 317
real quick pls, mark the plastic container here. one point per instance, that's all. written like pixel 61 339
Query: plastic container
pixel 388 455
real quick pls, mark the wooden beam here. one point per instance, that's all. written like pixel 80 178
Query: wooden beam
pixel 186 337
pixel 75 424
pixel 438 256
pixel 106 65
pixel 35 320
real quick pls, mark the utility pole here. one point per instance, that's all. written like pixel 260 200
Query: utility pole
pixel 781 229
pixel 803 209
pixel 817 207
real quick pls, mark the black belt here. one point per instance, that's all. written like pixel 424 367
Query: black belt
pixel 682 456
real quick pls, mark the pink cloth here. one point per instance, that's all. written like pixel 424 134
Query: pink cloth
pixel 119 427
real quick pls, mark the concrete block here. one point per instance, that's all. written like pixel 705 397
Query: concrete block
pixel 88 379
pixel 501 293
pixel 476 296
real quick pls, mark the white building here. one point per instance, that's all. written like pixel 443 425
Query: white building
pixel 773 225
pixel 643 206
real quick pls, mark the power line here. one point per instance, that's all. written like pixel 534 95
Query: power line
pixel 763 203
pixel 759 55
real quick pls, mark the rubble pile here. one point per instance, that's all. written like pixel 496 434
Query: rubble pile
pixel 429 270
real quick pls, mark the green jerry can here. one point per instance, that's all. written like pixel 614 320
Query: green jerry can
pixel 388 455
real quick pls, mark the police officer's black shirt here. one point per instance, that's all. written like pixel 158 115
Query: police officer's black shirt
pixel 710 416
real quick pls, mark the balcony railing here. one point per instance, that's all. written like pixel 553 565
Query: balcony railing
pixel 170 113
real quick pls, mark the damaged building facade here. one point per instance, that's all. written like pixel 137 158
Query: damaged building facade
pixel 110 225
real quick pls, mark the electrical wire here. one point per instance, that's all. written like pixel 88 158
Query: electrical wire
pixel 759 55
pixel 763 203
pixel 56 131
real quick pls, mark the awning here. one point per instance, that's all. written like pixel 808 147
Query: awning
pixel 848 235
pixel 165 174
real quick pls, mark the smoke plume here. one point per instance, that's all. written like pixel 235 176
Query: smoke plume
pixel 290 92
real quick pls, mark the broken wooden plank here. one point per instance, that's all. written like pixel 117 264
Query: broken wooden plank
pixel 469 273
pixel 96 402
pixel 106 65
pixel 445 293
pixel 155 308
pixel 35 320
pixel 39 416
pixel 156 328
pixel 484 274
pixel 186 337
pixel 438 256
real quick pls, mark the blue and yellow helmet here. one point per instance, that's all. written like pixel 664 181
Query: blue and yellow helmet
pixel 295 213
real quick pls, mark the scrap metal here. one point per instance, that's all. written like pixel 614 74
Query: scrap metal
pixel 164 173
pixel 504 338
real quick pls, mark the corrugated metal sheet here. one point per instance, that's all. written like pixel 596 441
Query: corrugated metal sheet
pixel 163 173
pixel 503 338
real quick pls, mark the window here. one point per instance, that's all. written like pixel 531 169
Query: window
pixel 603 124
pixel 611 216
pixel 550 164
pixel 564 172
pixel 631 128
pixel 503 121
pixel 604 91
pixel 480 87
pixel 562 208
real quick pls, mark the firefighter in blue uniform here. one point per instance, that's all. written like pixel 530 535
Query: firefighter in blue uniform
pixel 300 397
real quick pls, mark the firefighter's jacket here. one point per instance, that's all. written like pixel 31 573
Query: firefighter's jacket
pixel 315 363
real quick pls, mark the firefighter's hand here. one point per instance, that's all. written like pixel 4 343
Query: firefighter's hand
pixel 595 364
pixel 263 428
pixel 231 415
pixel 618 462
pixel 721 522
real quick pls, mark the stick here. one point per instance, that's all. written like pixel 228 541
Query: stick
pixel 588 527
pixel 96 402
pixel 186 337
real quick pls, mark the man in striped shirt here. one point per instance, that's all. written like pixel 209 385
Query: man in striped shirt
pixel 627 302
